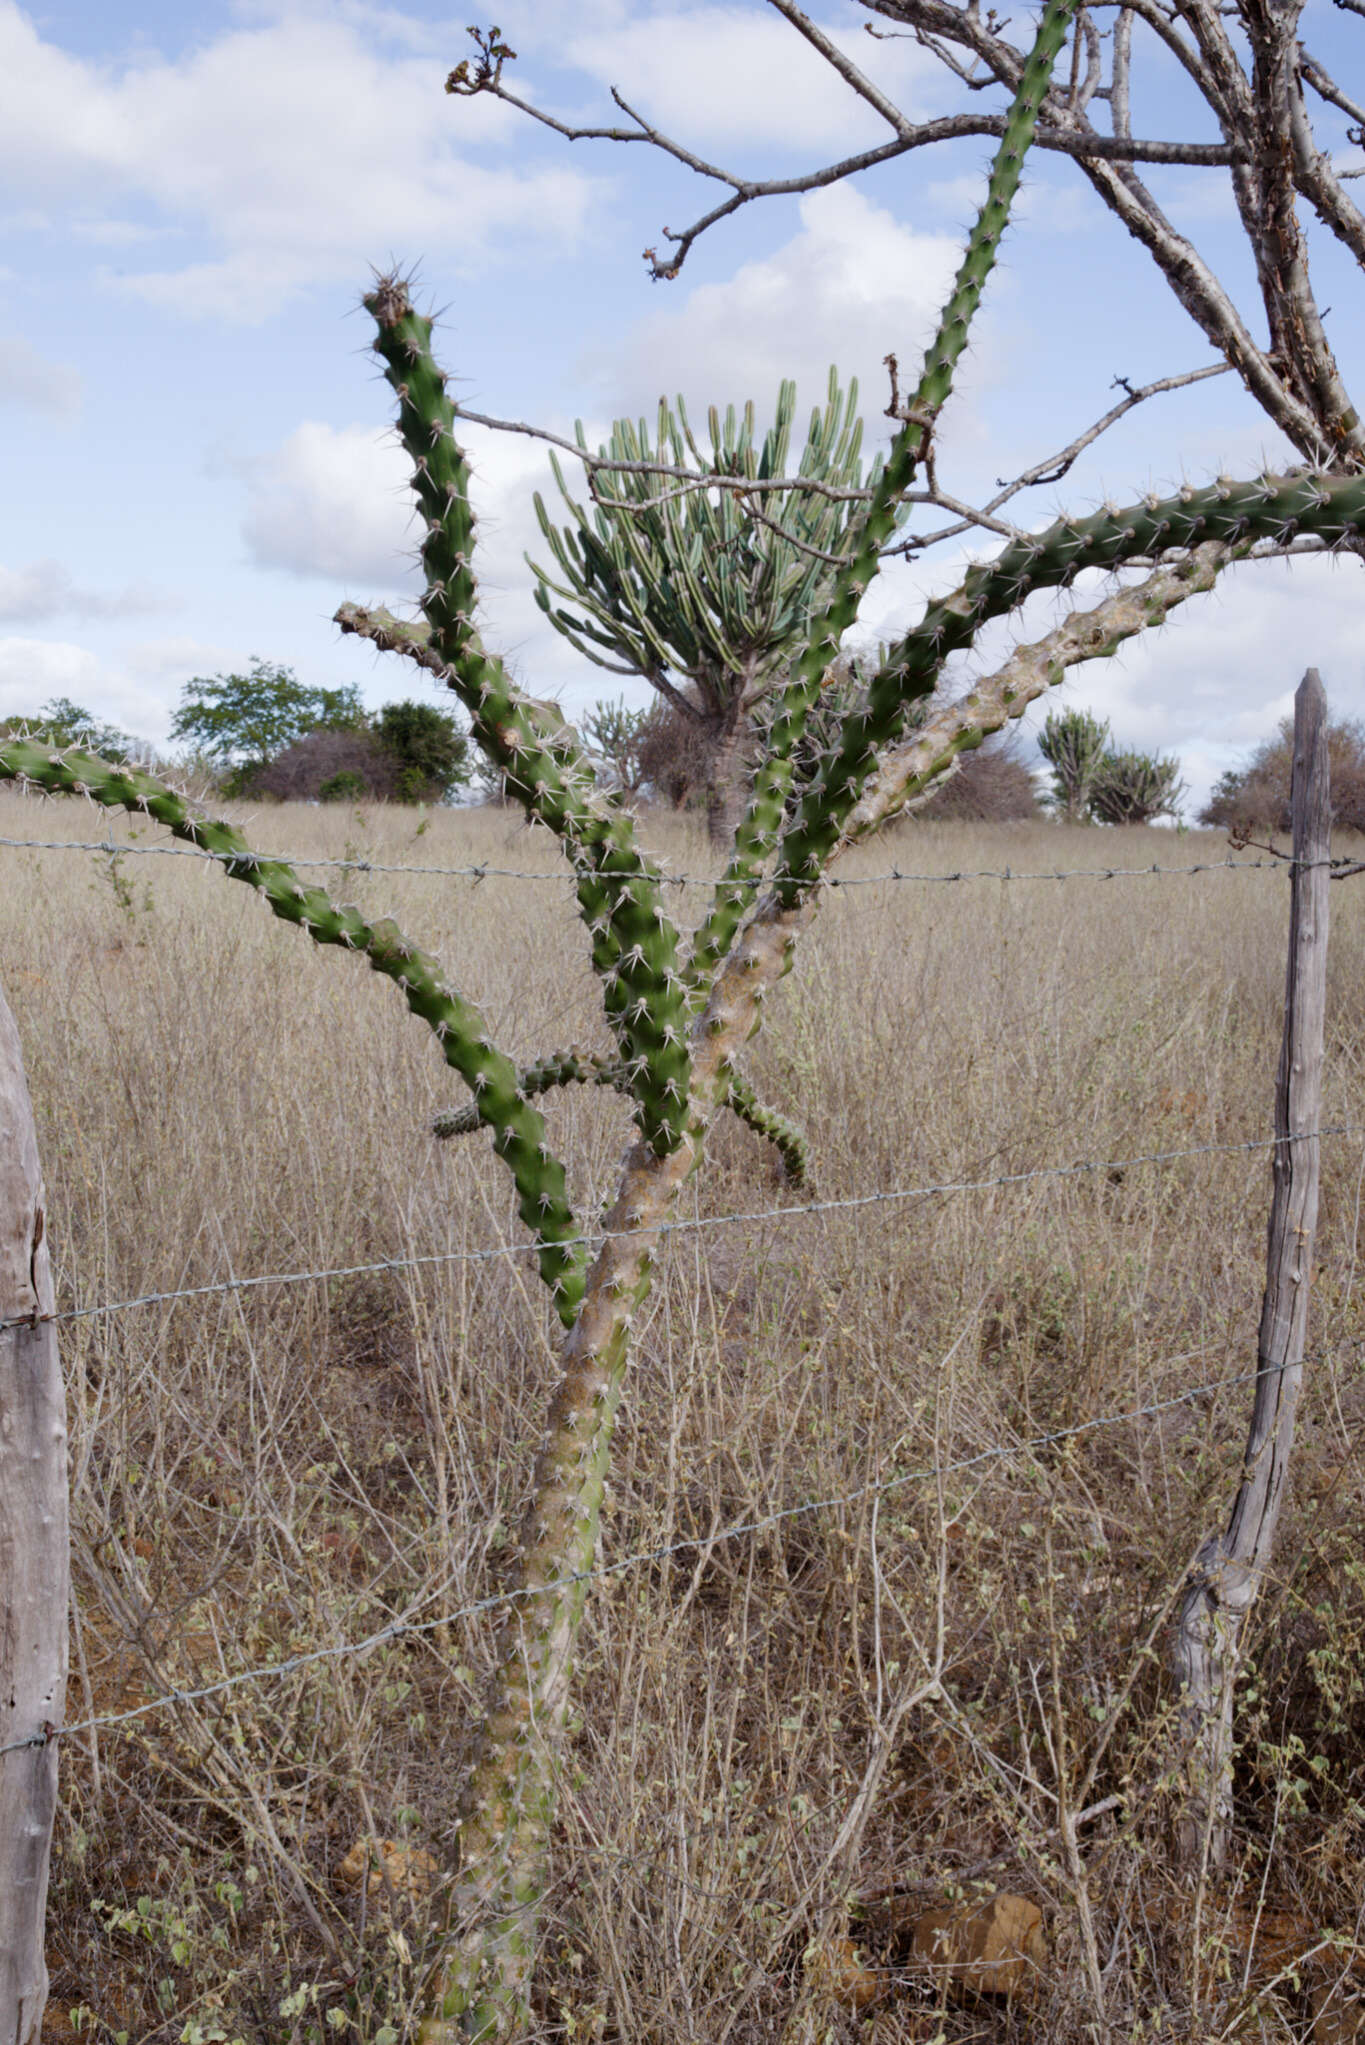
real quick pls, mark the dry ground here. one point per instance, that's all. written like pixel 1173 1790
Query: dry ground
pixel 263 1473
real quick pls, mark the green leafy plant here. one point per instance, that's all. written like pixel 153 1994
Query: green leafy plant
pixel 242 721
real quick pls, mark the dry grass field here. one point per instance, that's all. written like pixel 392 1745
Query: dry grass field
pixel 263 1473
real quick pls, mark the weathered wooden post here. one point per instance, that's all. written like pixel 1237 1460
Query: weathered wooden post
pixel 33 1555
pixel 1228 1569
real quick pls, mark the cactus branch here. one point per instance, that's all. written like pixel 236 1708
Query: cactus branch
pixel 762 821
pixel 518 1130
pixel 1328 508
pixel 620 896
pixel 585 1068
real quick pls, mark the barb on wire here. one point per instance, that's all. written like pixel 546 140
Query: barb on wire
pixel 400 1629
pixel 480 871
pixel 688 1226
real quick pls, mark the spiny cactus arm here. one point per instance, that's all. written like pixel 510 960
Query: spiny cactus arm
pixel 560 1068
pixel 620 896
pixel 482 1975
pixel 758 832
pixel 582 1068
pixel 480 1980
pixel 786 1138
pixel 518 1131
pixel 1276 508
pixel 910 770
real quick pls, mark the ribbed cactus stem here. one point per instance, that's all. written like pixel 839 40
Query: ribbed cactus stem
pixel 762 821
pixel 635 946
pixel 573 1067
pixel 518 1130
pixel 1275 508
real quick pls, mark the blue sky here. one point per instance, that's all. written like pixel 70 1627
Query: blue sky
pixel 198 462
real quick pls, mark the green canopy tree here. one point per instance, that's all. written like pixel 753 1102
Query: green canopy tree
pixel 240 722
pixel 432 750
pixel 703 592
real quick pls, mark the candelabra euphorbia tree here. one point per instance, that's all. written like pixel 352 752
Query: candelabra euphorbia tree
pixel 701 591
pixel 679 1011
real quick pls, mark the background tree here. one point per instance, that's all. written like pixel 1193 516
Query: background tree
pixel 1074 744
pixel 699 590
pixel 431 750
pixel 1133 788
pixel 240 722
pixel 1254 799
pixel 619 736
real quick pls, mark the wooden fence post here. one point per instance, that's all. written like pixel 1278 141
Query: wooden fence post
pixel 33 1555
pixel 1227 1571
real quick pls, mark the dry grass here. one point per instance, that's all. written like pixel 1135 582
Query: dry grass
pixel 263 1473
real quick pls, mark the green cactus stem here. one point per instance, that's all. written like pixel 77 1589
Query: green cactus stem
pixel 483 1966
pixel 635 946
pixel 758 832
pixel 518 1130
pixel 1273 508
pixel 583 1068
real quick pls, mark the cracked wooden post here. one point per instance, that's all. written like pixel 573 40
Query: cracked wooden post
pixel 1229 1566
pixel 33 1555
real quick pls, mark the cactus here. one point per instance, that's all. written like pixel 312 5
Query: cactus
pixel 1073 744
pixel 679 1030
pixel 584 1068
pixel 693 583
pixel 758 829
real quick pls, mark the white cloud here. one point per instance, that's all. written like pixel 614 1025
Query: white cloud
pixel 740 76
pixel 34 381
pixel 135 690
pixel 302 147
pixel 45 589
pixel 32 670
pixel 333 503
pixel 851 284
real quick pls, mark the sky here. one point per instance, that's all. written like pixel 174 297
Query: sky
pixel 197 443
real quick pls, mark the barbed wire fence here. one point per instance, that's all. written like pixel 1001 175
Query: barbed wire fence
pixel 412 1627
pixel 481 870
pixel 408 1628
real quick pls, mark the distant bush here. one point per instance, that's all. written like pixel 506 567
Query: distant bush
pixel 1255 799
pixel 329 766
pixel 431 750
pixel 992 786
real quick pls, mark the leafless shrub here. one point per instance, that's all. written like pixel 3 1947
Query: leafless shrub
pixel 1255 799
pixel 352 764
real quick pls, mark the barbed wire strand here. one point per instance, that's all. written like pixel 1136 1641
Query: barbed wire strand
pixel 686 1226
pixel 481 871
pixel 400 1629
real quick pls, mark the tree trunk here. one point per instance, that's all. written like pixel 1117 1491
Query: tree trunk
pixel 1228 1569
pixel 33 1555
pixel 727 781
